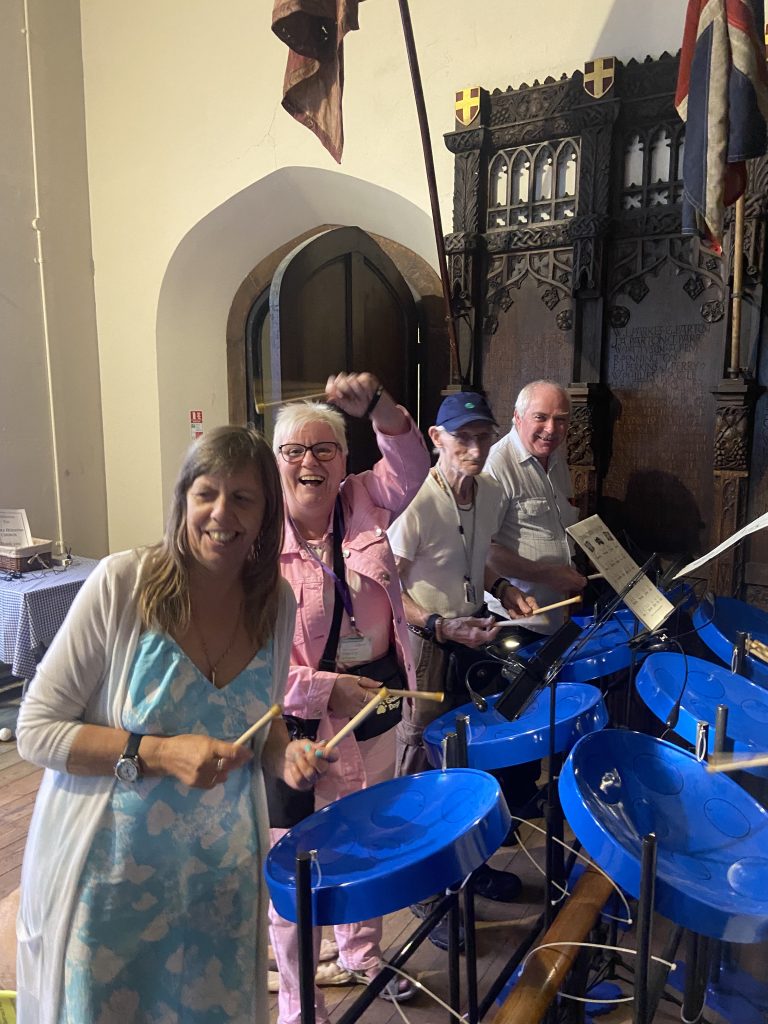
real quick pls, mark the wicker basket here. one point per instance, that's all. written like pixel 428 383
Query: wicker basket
pixel 36 555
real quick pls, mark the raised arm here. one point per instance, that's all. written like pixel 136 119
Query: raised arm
pixel 404 464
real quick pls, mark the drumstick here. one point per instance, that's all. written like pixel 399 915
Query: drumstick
pixel 551 607
pixel 758 649
pixel 735 764
pixel 361 715
pixel 260 406
pixel 596 576
pixel 418 694
pixel 273 712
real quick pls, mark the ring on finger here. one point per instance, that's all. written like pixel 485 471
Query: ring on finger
pixel 220 764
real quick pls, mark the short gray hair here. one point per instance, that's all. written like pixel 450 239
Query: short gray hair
pixel 291 418
pixel 526 394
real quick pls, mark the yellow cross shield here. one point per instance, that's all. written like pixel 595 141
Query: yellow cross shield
pixel 467 106
pixel 598 76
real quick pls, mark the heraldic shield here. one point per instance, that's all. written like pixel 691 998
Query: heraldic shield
pixel 598 76
pixel 467 105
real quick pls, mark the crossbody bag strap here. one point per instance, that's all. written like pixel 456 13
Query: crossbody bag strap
pixel 328 660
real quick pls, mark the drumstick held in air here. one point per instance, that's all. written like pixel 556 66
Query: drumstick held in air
pixel 265 719
pixel 735 764
pixel 260 406
pixel 418 694
pixel 353 723
pixel 551 607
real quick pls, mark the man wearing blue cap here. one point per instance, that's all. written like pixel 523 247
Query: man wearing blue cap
pixel 441 543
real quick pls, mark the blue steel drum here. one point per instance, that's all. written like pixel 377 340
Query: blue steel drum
pixel 712 837
pixel 394 844
pixel 495 742
pixel 605 653
pixel 660 680
pixel 718 622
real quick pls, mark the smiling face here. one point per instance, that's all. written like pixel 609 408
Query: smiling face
pixel 544 424
pixel 310 486
pixel 225 513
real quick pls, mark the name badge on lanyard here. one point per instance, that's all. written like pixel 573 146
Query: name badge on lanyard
pixel 355 650
pixel 470 595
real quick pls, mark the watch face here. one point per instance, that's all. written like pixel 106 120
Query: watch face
pixel 127 769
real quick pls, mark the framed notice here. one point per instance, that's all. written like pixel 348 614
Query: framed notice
pixel 14 528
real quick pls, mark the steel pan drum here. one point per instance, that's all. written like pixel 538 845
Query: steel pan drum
pixel 718 622
pixel 391 845
pixel 659 682
pixel 495 742
pixel 605 653
pixel 712 837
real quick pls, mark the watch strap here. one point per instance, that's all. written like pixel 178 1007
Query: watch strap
pixel 132 746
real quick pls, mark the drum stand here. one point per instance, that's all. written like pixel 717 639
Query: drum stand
pixel 448 904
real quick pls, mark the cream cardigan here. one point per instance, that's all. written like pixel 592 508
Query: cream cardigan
pixel 84 678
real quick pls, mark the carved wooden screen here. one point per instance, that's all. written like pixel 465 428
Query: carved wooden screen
pixel 567 257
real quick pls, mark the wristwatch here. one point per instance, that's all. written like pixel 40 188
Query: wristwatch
pixel 429 630
pixel 128 767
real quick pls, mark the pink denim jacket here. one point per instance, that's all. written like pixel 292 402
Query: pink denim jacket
pixel 370 501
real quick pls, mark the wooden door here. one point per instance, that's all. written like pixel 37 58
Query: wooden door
pixel 336 303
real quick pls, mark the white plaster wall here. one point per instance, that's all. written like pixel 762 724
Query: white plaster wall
pixel 50 402
pixel 183 116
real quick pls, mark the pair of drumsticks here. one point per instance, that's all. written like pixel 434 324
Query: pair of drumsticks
pixel 276 710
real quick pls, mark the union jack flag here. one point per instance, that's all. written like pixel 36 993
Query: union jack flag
pixel 722 95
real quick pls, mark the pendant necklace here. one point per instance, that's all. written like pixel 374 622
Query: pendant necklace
pixel 213 666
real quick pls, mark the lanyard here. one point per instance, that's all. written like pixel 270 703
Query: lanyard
pixel 469 589
pixel 337 574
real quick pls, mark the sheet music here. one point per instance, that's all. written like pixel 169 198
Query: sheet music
pixel 757 524
pixel 644 600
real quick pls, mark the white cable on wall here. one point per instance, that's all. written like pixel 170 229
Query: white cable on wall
pixel 39 259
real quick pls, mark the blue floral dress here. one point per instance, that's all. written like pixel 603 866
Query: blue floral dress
pixel 166 917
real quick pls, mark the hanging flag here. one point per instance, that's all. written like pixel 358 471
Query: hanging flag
pixel 314 31
pixel 722 95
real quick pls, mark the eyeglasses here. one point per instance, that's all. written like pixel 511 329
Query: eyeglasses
pixel 467 440
pixel 323 451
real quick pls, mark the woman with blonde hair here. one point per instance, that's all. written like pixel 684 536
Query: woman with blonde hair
pixel 141 886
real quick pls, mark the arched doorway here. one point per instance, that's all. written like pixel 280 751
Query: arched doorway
pixel 336 302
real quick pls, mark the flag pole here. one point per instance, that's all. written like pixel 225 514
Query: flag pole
pixel 738 280
pixel 426 145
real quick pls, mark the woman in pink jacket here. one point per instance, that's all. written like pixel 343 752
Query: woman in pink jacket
pixel 351 634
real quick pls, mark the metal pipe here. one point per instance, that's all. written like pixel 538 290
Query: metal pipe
pixel 640 1014
pixel 304 924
